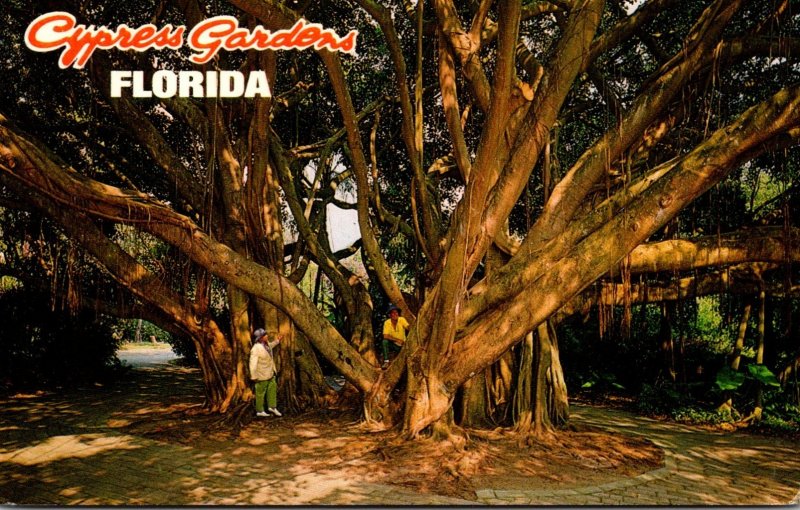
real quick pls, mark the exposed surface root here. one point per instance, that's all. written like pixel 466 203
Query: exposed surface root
pixel 455 466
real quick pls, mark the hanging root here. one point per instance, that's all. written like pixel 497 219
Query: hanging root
pixel 377 409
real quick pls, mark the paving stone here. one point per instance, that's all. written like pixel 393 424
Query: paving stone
pixel 107 467
pixel 503 494
pixel 485 493
pixel 611 500
pixel 565 492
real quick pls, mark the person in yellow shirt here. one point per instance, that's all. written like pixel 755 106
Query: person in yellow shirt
pixel 394 334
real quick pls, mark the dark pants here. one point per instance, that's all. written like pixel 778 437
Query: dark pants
pixel 390 350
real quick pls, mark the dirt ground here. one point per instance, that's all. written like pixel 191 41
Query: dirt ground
pixel 335 440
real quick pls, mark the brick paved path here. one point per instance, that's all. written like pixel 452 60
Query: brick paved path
pixel 701 468
pixel 69 449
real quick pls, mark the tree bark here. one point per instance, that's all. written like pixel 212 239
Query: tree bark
pixel 757 412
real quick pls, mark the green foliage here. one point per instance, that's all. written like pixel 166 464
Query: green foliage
pixel 729 379
pixel 47 348
pixel 763 375
pixel 8 283
pixel 602 382
pixel 660 400
pixel 666 401
pixel 183 346
pixel 775 423
pixel 777 404
pixel 780 414
pixel 700 416
pixel 136 330
pixel 709 328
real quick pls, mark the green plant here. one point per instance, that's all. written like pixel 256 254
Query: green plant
pixel 602 382
pixel 763 375
pixel 779 424
pixel 657 400
pixel 136 330
pixel 731 380
pixel 45 347
pixel 699 416
pixel 779 407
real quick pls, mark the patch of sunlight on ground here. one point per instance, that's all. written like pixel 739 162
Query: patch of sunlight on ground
pixel 302 490
pixel 29 395
pixel 306 431
pixel 64 447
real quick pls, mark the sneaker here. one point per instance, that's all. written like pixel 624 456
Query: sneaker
pixel 275 411
pixel 262 414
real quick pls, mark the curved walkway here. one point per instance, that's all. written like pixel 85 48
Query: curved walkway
pixel 69 449
pixel 701 468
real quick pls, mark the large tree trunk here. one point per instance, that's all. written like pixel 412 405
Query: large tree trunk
pixel 523 397
pixel 428 400
pixel 475 411
pixel 543 359
pixel 550 402
pixel 427 395
pixel 222 385
pixel 558 399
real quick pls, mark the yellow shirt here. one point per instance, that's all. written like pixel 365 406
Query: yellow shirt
pixel 396 334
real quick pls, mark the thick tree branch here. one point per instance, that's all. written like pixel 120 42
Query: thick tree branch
pixel 34 169
pixel 766 244
pixel 447 84
pixel 143 130
pixel 562 277
pixel 535 131
pixel 592 165
pixel 345 102
pixel 720 282
pixel 409 120
pixel 466 50
pixel 627 27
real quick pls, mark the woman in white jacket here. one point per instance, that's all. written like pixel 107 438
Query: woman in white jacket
pixel 263 372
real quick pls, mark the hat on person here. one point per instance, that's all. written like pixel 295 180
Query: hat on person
pixel 392 307
pixel 257 334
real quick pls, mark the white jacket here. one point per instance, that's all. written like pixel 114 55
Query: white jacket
pixel 262 366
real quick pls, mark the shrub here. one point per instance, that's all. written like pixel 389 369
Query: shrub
pixel 658 400
pixel 44 348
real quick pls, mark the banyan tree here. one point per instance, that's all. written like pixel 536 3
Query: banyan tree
pixel 509 162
